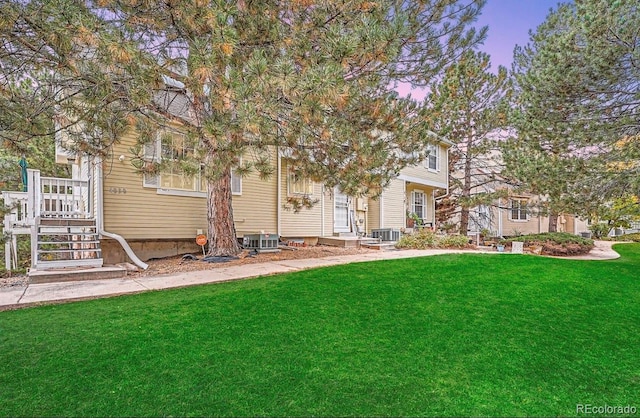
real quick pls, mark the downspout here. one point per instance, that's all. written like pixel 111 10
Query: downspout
pixel 500 233
pixel 278 192
pixel 322 210
pixel 100 220
pixel 437 199
pixel 381 223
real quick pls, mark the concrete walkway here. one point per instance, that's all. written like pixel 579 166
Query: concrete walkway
pixel 34 294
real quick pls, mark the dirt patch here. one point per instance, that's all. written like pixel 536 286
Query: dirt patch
pixel 180 265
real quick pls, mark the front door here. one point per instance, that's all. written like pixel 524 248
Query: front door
pixel 340 212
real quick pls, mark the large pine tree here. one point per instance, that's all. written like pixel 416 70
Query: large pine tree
pixel 468 107
pixel 577 108
pixel 314 78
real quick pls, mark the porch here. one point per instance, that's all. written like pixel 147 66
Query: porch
pixel 58 215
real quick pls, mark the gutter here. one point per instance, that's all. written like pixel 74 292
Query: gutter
pixel 100 224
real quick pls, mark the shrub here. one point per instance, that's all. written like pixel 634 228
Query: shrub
pixel 635 237
pixel 426 238
pixel 418 240
pixel 556 243
pixel 453 241
pixel 599 230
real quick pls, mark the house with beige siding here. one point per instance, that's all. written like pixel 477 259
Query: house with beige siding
pixel 516 213
pixel 109 212
pixel 520 214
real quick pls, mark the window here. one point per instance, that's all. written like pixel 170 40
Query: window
pixel 236 183
pixel 484 217
pixel 432 158
pixel 173 147
pixel 419 204
pixel 519 210
pixel 297 185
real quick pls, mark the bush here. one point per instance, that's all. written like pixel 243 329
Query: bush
pixel 599 230
pixel 453 241
pixel 426 238
pixel 556 243
pixel 635 237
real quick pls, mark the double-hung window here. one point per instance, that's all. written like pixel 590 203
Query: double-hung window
pixel 175 150
pixel 432 158
pixel 419 204
pixel 519 210
pixel 298 185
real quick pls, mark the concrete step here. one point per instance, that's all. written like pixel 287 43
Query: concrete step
pixel 345 242
pixel 382 246
pixel 69 274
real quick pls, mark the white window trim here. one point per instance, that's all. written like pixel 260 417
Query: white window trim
pixel 527 216
pixel 290 183
pixel 154 181
pixel 436 154
pixel 424 203
pixel 239 192
pixel 178 192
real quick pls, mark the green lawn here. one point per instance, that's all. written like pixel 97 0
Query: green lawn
pixel 447 335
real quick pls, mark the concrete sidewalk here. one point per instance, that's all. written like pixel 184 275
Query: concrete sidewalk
pixel 33 294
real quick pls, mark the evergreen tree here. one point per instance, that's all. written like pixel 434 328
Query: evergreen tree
pixel 314 78
pixel 467 107
pixel 576 113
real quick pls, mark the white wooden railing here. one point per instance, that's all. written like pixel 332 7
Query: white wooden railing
pixel 48 197
pixel 18 215
pixel 64 198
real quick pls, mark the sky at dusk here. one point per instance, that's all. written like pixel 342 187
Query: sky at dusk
pixel 509 22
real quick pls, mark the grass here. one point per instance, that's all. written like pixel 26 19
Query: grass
pixel 449 335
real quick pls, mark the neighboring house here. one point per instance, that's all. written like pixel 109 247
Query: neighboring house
pixel 108 209
pixel 515 214
pixel 519 214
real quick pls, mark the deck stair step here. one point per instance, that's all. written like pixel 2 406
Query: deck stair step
pixel 67 243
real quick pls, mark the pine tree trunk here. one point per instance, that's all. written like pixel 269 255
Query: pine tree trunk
pixel 553 222
pixel 464 221
pixel 466 188
pixel 222 231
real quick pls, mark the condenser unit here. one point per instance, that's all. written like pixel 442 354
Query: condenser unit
pixel 386 234
pixel 263 243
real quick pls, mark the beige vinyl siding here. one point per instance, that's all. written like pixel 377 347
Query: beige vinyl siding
pixel 533 225
pixel 393 201
pixel 420 170
pixel 305 223
pixel 256 209
pixel 136 212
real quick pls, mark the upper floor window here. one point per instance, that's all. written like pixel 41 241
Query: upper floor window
pixel 432 158
pixel 298 185
pixel 174 147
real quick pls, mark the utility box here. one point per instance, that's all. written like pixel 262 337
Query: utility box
pixel 386 234
pixel 263 243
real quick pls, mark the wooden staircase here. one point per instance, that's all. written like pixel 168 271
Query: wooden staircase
pixel 66 242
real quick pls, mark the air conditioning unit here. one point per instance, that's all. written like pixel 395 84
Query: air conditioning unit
pixel 263 243
pixel 386 234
